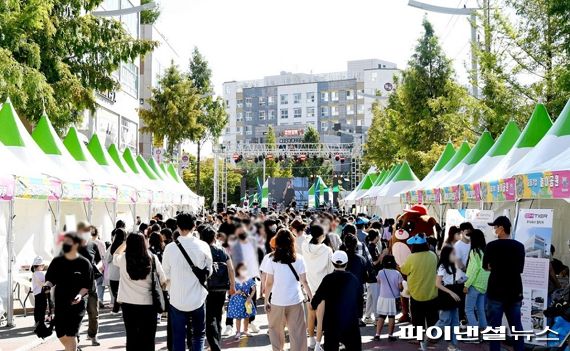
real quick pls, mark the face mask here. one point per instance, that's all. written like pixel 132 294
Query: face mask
pixel 242 236
pixel 273 227
pixel 66 247
pixel 86 236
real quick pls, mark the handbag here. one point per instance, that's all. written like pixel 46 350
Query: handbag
pixel 444 300
pixel 201 274
pixel 44 329
pixel 158 300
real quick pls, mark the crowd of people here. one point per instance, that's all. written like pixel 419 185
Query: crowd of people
pixel 319 277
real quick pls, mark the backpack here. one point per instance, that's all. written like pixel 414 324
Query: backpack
pixel 219 280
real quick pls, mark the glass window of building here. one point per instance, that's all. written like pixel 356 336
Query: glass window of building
pixel 130 79
pixel 349 109
pixel 248 130
pixel 284 99
pixel 334 110
pixel 324 96
pixel 239 116
pixel 324 112
pixel 248 115
pixel 129 133
pixel 261 101
pixel 107 126
pixel 247 102
pixel 310 112
pixel 297 113
pixel 324 126
pixel 349 94
pixel 334 95
pixel 311 97
pixel 297 98
pixel 262 115
pixel 239 103
pixel 284 113
pixel 270 100
pixel 271 114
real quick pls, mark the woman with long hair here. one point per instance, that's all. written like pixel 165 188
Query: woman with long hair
pixel 285 282
pixel 118 235
pixel 448 275
pixel 156 244
pixel 477 279
pixel 136 265
pixel 453 236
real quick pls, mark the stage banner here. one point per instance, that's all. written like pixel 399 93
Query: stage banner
pixel 546 185
pixel 478 218
pixel 499 190
pixel 533 228
pixel 6 187
pixel 470 192
pixel 450 194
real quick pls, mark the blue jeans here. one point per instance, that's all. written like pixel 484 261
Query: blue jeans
pixel 475 300
pixel 449 318
pixel 195 321
pixel 512 311
pixel 100 288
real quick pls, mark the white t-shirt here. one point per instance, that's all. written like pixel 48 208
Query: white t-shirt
pixel 447 278
pixel 265 262
pixel 462 251
pixel 136 292
pixel 38 281
pixel 286 290
pixel 250 259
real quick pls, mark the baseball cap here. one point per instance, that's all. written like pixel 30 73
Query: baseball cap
pixel 339 257
pixel 417 239
pixel 362 220
pixel 37 261
pixel 419 209
pixel 501 221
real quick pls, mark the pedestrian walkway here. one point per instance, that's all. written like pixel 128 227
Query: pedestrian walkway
pixel 112 337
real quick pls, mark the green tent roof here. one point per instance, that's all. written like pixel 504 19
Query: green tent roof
pixel 483 145
pixel 537 127
pixel 156 168
pixel 405 173
pixel 116 156
pixel 46 137
pixel 146 168
pixel 446 155
pixel 506 140
pixel 379 178
pixel 392 173
pixel 458 157
pixel 174 174
pixel 12 127
pixel 387 175
pixel 131 161
pixel 98 151
pixel 367 182
pixel 75 147
pixel 562 125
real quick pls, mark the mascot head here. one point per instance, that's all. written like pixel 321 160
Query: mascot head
pixel 413 221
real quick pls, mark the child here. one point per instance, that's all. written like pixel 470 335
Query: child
pixel 390 282
pixel 241 306
pixel 38 281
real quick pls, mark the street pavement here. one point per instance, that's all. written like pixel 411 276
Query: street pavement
pixel 112 337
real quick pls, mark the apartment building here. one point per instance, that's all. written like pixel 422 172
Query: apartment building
pixel 338 104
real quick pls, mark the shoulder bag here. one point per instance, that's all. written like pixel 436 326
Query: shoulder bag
pixel 306 299
pixel 444 300
pixel 201 274
pixel 158 300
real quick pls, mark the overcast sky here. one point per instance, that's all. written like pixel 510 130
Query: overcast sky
pixel 248 39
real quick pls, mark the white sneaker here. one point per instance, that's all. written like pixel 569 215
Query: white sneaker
pixel 228 331
pixel 318 347
pixel 253 328
pixel 368 320
pixel 312 342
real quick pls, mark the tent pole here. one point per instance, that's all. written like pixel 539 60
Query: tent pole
pixel 114 214
pixel 11 262
pixel 134 213
pixel 90 211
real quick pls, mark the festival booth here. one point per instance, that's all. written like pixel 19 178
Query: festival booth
pixel 369 199
pixel 350 199
pixel 388 198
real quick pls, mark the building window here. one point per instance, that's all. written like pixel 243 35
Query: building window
pixel 248 130
pixel 310 112
pixel 324 126
pixel 284 113
pixel 374 76
pixel 107 125
pixel 310 97
pixel 248 102
pixel 297 98
pixel 334 110
pixel 239 116
pixel 360 109
pixel 271 114
pixel 284 98
pixel 324 112
pixel 248 115
pixel 324 96
pixel 334 95
pixel 271 100
pixel 261 101
pixel 359 122
pixel 239 103
pixel 130 79
pixel 297 113
pixel 129 132
pixel 349 109
pixel 262 115
pixel 349 94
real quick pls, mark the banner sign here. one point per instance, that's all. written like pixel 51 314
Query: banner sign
pixel 6 187
pixel 547 185
pixel 38 188
pixel 127 194
pixel 144 196
pixel 478 218
pixel 104 192
pixel 450 194
pixel 500 190
pixel 77 191
pixel 470 192
pixel 534 230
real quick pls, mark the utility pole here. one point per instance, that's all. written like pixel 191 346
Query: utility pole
pixel 462 11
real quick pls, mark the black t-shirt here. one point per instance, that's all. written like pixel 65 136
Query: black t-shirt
pixel 343 296
pixel 227 228
pixel 69 277
pixel 358 266
pixel 505 259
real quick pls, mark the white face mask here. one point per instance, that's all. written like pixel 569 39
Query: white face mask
pixel 86 236
pixel 273 227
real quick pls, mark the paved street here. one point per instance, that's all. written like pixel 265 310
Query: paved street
pixel 112 337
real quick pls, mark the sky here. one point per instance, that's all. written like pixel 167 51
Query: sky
pixel 250 39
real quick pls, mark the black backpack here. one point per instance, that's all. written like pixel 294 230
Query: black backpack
pixel 219 280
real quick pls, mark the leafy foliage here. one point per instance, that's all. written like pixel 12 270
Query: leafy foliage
pixel 149 16
pixel 207 180
pixel 55 55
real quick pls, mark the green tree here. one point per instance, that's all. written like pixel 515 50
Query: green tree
pixel 54 55
pixel 207 181
pixel 311 165
pixel 149 16
pixel 174 108
pixel 426 109
pixel 212 117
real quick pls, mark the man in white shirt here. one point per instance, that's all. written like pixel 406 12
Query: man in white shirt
pixel 463 246
pixel 187 294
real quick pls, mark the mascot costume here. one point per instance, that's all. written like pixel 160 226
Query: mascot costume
pixel 413 221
